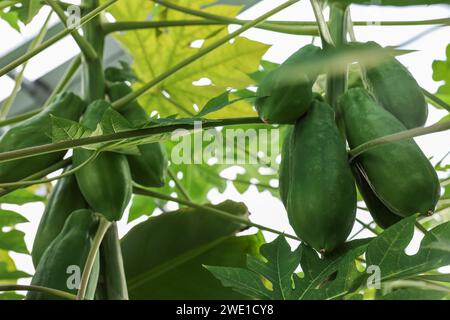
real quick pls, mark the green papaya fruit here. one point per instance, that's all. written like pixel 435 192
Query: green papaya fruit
pixel 379 212
pixel 105 182
pixel 150 168
pixel 64 199
pixel 62 263
pixel 396 90
pixel 284 176
pixel 399 173
pixel 321 201
pixel 34 132
pixel 282 100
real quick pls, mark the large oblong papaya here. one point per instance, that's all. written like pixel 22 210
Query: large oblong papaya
pixel 283 100
pixel 64 199
pixel 150 167
pixel 105 182
pixel 399 173
pixel 34 132
pixel 379 212
pixel 284 176
pixel 397 91
pixel 321 201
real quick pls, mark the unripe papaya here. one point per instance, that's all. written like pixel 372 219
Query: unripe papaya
pixel 150 167
pixel 399 173
pixel 284 176
pixel 379 212
pixel 396 90
pixel 34 132
pixel 64 199
pixel 283 100
pixel 321 201
pixel 66 256
pixel 104 182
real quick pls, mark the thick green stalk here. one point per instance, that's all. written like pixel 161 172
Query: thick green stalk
pixel 123 135
pixel 114 285
pixel 84 46
pixel 337 84
pixel 136 94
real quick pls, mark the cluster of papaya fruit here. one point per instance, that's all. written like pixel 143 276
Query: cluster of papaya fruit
pixel 102 186
pixel 317 179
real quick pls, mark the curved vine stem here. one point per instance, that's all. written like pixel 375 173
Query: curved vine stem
pixel 55 38
pixel 134 95
pixel 65 174
pixel 53 292
pixel 100 234
pixel 220 213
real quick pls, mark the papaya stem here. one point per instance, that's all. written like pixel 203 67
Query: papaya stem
pixel 178 185
pixel 18 81
pixel 123 135
pixel 57 166
pixel 201 53
pixel 54 39
pixel 90 260
pixel 324 31
pixel 84 46
pixel 435 100
pixel 27 183
pixel 220 213
pixel 53 292
pixel 407 134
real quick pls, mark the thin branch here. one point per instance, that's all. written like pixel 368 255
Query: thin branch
pixel 407 134
pixel 84 46
pixel 38 175
pixel 323 26
pixel 54 39
pixel 134 95
pixel 178 185
pixel 368 227
pixel 101 231
pixel 436 100
pixel 36 41
pixel 220 213
pixel 50 291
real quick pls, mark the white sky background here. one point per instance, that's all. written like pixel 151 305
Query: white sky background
pixel 266 209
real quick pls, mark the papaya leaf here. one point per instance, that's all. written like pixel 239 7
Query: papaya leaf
pixel 441 72
pixel 11 296
pixel 21 196
pixel 10 218
pixel 8 270
pixel 416 294
pixel 12 18
pixel 387 251
pixel 120 74
pixel 156 50
pixel 220 102
pixel 13 241
pixel 27 10
pixel 170 267
pixel 65 130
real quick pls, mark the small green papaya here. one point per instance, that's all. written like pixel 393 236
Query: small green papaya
pixel 35 132
pixel 282 100
pixel 283 175
pixel 321 202
pixel 62 263
pixel 379 212
pixel 64 199
pixel 150 168
pixel 396 90
pixel 399 173
pixel 105 182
